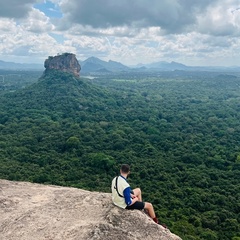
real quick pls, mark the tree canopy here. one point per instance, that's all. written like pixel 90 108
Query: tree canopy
pixel 179 132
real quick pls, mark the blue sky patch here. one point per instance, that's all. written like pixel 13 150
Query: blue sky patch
pixel 49 9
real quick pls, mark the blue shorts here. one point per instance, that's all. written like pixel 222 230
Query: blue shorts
pixel 137 205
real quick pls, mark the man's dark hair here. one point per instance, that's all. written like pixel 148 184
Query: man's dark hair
pixel 125 168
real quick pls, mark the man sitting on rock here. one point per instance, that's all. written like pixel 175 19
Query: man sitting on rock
pixel 124 197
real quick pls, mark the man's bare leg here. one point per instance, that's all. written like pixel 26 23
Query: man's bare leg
pixel 150 209
pixel 138 193
pixel 148 206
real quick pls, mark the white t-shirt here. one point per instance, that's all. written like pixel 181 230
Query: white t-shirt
pixel 121 184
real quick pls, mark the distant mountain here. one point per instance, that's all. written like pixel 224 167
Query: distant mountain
pixel 94 64
pixel 163 65
pixel 97 65
pixel 60 90
pixel 20 66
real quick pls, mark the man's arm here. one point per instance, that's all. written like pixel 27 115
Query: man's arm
pixel 127 195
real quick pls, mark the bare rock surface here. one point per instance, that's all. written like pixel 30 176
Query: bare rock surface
pixel 35 212
pixel 66 62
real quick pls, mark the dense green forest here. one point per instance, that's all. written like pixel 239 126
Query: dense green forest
pixel 13 80
pixel 179 131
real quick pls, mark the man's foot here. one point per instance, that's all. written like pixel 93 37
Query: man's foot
pixel 155 220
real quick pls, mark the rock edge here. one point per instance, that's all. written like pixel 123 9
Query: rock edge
pixel 34 211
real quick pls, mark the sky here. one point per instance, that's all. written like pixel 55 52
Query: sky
pixel 191 32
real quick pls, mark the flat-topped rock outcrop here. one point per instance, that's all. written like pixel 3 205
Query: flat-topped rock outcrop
pixel 66 62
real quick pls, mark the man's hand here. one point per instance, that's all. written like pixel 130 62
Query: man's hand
pixel 135 199
pixel 133 196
